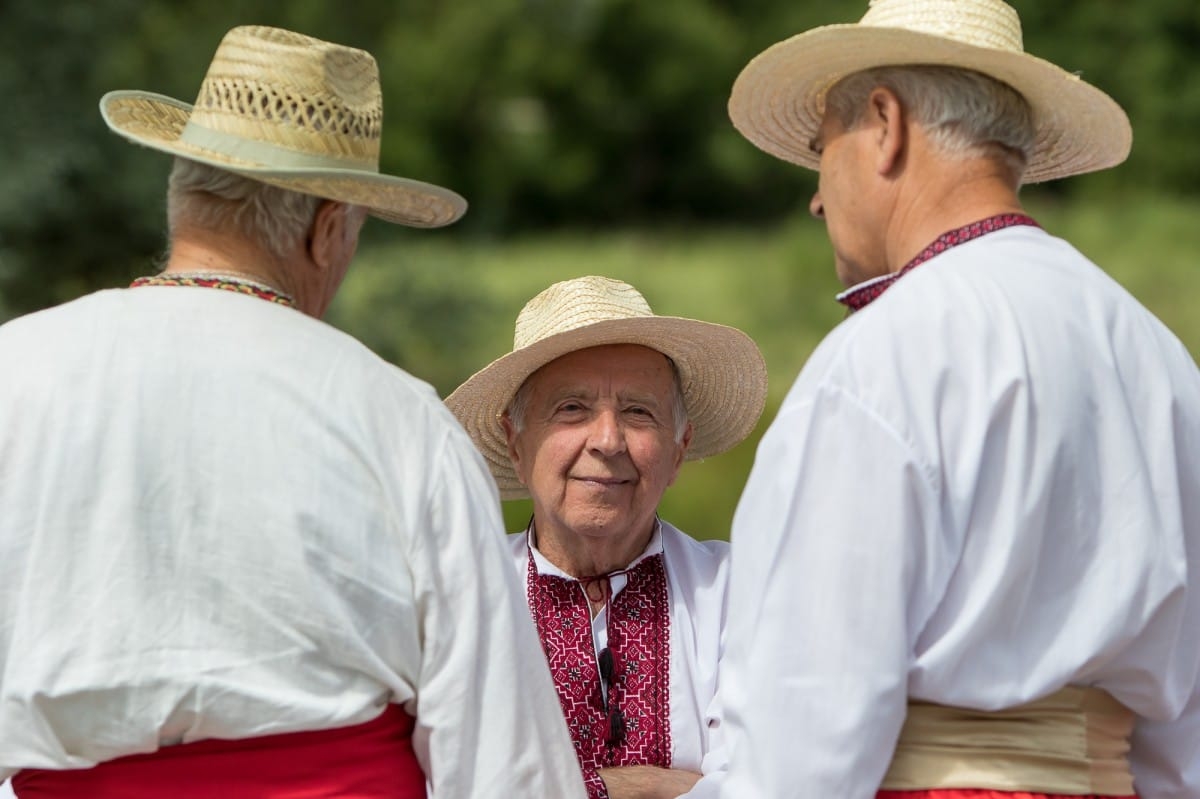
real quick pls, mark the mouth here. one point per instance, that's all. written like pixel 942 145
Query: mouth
pixel 602 482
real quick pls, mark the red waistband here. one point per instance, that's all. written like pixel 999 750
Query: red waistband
pixel 976 793
pixel 374 760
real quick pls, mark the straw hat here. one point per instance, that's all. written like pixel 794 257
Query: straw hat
pixel 779 98
pixel 288 110
pixel 721 370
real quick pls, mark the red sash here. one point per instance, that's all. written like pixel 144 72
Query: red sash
pixel 973 793
pixel 374 760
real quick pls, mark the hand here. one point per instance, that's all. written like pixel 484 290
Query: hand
pixel 647 782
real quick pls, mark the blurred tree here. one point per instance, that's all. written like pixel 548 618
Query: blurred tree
pixel 1149 61
pixel 543 113
pixel 66 193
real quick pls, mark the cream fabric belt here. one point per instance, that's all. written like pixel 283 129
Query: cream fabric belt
pixel 1074 741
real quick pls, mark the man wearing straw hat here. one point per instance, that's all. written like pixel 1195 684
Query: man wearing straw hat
pixel 591 415
pixel 968 551
pixel 240 555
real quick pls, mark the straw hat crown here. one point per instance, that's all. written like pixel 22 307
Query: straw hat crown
pixel 305 95
pixel 778 99
pixel 292 111
pixel 986 23
pixel 722 373
pixel 574 304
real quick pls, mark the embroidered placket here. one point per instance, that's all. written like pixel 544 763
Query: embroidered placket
pixel 638 626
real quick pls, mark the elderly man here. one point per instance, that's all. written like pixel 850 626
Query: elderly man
pixel 970 542
pixel 592 414
pixel 240 555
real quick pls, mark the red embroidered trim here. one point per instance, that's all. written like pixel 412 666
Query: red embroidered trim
pixel 262 292
pixel 594 783
pixel 639 632
pixel 858 298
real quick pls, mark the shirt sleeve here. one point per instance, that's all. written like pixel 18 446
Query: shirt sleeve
pixel 488 719
pixel 715 765
pixel 833 544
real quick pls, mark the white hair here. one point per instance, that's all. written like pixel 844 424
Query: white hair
pixel 518 407
pixel 215 199
pixel 965 113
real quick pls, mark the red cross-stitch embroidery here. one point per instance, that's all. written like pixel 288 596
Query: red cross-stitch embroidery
pixel 638 630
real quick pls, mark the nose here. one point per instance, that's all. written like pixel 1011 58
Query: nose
pixel 816 207
pixel 606 436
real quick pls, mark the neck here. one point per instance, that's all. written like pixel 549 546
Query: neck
pixel 203 253
pixel 586 556
pixel 946 196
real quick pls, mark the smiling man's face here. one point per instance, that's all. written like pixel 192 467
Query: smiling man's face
pixel 597 446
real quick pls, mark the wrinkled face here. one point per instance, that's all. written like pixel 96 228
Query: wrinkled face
pixel 847 200
pixel 597 448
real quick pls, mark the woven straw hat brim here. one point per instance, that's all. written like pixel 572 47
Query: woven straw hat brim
pixel 156 121
pixel 777 100
pixel 722 372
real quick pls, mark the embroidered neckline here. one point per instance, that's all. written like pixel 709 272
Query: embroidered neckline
pixel 240 285
pixel 859 296
pixel 639 628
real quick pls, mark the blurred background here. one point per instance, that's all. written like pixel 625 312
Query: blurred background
pixel 590 137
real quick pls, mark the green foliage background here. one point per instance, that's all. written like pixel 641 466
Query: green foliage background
pixel 590 137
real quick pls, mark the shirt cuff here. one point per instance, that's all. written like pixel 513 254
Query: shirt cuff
pixel 596 789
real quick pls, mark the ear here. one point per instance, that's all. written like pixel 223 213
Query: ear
pixel 681 451
pixel 510 437
pixel 327 233
pixel 886 115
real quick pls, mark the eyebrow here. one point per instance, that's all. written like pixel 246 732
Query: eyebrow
pixel 566 393
pixel 647 398
pixel 638 398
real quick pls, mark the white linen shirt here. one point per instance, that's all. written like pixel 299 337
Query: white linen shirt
pixel 222 518
pixel 982 487
pixel 697 579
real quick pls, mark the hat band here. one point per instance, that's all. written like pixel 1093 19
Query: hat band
pixel 266 154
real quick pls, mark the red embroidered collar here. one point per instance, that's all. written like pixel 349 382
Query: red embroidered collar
pixel 638 660
pixel 862 295
pixel 224 282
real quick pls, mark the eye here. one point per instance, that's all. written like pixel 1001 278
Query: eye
pixel 640 412
pixel 570 408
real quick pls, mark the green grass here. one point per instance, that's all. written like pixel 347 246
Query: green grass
pixel 443 307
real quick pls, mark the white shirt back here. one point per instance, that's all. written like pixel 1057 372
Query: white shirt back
pixel 223 518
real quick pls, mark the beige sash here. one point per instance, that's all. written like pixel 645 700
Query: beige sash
pixel 1074 741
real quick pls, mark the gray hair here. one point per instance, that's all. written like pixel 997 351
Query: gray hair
pixel 964 112
pixel 215 199
pixel 519 405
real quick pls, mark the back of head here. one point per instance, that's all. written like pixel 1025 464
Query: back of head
pixel 964 113
pixel 274 219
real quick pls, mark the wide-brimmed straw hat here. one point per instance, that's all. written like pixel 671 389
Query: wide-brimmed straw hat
pixel 721 370
pixel 778 99
pixel 292 111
